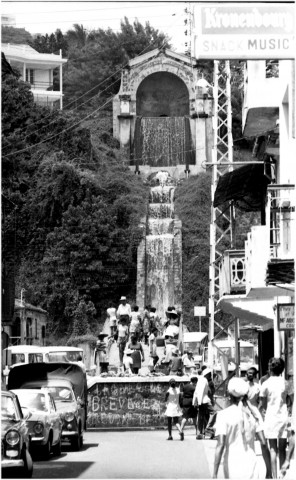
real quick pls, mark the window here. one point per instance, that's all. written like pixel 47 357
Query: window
pixel 30 75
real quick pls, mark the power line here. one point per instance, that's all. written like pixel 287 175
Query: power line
pixel 60 133
pixel 96 86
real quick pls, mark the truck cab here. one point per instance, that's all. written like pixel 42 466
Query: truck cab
pixel 197 343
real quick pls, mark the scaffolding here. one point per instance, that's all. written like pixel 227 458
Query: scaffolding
pixel 222 217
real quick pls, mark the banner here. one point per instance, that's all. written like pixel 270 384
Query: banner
pixel 244 31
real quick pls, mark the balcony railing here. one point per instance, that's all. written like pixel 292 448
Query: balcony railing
pixel 232 275
pixel 280 215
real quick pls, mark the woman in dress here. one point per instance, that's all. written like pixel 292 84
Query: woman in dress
pixel 138 353
pixel 173 410
pixel 236 428
pixel 273 400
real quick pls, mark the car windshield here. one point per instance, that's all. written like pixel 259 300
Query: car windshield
pixel 247 354
pixel 32 400
pixel 61 394
pixel 64 356
pixel 195 347
pixel 8 409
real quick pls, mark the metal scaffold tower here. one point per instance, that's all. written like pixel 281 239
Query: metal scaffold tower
pixel 221 227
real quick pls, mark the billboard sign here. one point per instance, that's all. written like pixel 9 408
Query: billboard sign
pixel 286 316
pixel 244 31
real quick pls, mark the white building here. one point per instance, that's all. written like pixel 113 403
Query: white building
pixel 257 281
pixel 38 70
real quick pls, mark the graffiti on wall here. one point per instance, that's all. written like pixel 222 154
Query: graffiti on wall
pixel 127 405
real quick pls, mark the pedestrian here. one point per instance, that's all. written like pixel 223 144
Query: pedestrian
pixel 189 410
pixel 153 348
pixel 176 364
pixel 111 317
pixel 273 400
pixel 211 412
pixel 137 355
pixel 128 361
pixel 253 397
pixel 135 321
pixel 253 386
pixel 235 428
pixel 146 324
pixel 202 399
pixel 122 338
pixel 101 354
pixel 188 362
pixel 289 466
pixel 173 409
pixel 124 311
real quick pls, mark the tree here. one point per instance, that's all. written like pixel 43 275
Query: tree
pixel 83 316
pixel 94 68
pixel 52 43
pixel 77 37
pixel 193 207
pixel 15 35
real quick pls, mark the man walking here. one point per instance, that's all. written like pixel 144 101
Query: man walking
pixel 189 410
pixel 124 311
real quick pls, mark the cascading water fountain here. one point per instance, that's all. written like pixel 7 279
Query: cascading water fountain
pixel 160 264
pixel 163 141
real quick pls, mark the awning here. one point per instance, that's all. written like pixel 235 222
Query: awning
pixel 246 186
pixel 259 313
pixel 280 272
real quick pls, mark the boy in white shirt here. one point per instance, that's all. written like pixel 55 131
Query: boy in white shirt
pixel 128 361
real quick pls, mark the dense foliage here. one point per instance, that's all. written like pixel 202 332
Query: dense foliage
pixel 76 216
pixel 193 206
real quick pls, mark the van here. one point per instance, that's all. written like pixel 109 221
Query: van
pixel 62 354
pixel 19 354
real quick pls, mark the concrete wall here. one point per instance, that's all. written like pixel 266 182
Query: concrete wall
pixel 128 402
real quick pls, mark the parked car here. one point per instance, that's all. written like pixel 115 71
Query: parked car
pixel 45 424
pixel 15 449
pixel 67 384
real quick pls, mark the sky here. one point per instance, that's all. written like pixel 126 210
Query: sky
pixel 47 16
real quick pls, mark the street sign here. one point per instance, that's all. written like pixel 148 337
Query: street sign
pixel 244 31
pixel 200 311
pixel 286 316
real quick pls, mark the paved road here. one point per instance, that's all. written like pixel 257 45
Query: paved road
pixel 136 454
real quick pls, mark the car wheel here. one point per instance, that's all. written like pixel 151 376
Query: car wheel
pixel 57 448
pixel 27 470
pixel 76 443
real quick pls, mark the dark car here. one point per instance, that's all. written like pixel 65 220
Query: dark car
pixel 15 448
pixel 45 424
pixel 67 385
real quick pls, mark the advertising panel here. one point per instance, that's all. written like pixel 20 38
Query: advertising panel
pixel 244 31
pixel 286 316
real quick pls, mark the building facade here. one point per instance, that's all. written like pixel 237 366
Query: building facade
pixel 28 326
pixel 257 284
pixel 38 70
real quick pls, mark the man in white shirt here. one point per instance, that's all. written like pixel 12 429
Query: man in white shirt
pixel 124 311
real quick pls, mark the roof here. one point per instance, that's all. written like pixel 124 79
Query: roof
pixel 22 52
pixel 18 304
pixel 25 348
pixel 194 336
pixel 154 53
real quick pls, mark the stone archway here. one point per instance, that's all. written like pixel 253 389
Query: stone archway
pixel 162 94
